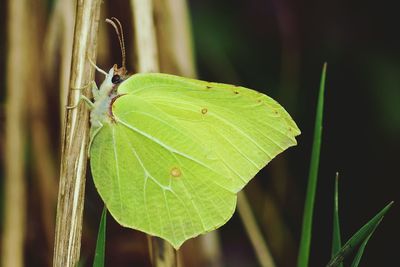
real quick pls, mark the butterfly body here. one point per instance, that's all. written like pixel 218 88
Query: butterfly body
pixel 103 98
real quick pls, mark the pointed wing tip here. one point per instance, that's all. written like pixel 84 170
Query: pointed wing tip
pixel 177 246
pixel 296 132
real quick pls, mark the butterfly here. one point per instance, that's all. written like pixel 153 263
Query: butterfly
pixel 169 154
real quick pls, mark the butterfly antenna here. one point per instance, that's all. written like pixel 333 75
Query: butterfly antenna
pixel 122 41
pixel 120 34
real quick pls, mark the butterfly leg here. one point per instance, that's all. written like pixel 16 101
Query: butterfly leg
pixel 95 90
pixel 86 100
pixel 97 68
pixel 81 88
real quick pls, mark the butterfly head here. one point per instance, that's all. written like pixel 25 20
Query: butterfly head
pixel 118 74
pixel 114 77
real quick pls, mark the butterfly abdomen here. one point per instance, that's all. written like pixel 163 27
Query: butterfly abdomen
pixel 99 113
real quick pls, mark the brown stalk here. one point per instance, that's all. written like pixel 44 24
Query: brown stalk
pixel 276 230
pixel 145 36
pixel 174 37
pixel 260 246
pixel 59 38
pixel 175 46
pixel 267 207
pixel 67 13
pixel 75 138
pixel 12 253
pixel 43 158
pixel 161 252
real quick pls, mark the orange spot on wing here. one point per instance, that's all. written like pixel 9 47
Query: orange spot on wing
pixel 176 172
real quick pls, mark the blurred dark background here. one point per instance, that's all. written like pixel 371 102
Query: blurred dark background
pixel 278 47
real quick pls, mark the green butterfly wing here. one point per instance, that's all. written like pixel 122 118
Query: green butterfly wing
pixel 178 151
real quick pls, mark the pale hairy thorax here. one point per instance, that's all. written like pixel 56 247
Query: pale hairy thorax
pixel 103 98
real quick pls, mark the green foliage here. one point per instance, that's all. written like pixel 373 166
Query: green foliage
pixel 175 152
pixel 101 241
pixel 305 242
pixel 360 251
pixel 336 239
pixel 359 239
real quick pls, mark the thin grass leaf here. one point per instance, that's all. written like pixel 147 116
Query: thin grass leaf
pixel 360 251
pixel 305 242
pixel 361 236
pixel 336 239
pixel 101 241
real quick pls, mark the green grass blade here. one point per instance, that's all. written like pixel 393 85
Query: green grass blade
pixel 360 251
pixel 305 243
pixel 359 237
pixel 101 241
pixel 336 239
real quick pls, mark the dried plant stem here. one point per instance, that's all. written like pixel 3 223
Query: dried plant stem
pixel 59 38
pixel 145 36
pixel 68 19
pixel 174 37
pixel 43 157
pixel 161 252
pixel 75 139
pixel 259 245
pixel 44 167
pixel 14 186
pixel 279 237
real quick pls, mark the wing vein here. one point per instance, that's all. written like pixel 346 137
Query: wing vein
pixel 159 142
pixel 165 146
pixel 184 186
pixel 243 134
pixel 172 101
pixel 238 150
pixel 169 216
pixel 117 169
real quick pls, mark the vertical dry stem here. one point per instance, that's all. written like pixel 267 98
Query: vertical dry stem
pixel 43 159
pixel 68 18
pixel 145 38
pixel 59 39
pixel 161 252
pixel 14 187
pixel 75 139
pixel 174 37
pixel 255 235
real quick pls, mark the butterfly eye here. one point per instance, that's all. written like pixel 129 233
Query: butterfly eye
pixel 116 79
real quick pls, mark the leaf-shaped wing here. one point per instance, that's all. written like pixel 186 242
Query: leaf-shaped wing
pixel 244 128
pixel 179 149
pixel 154 177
